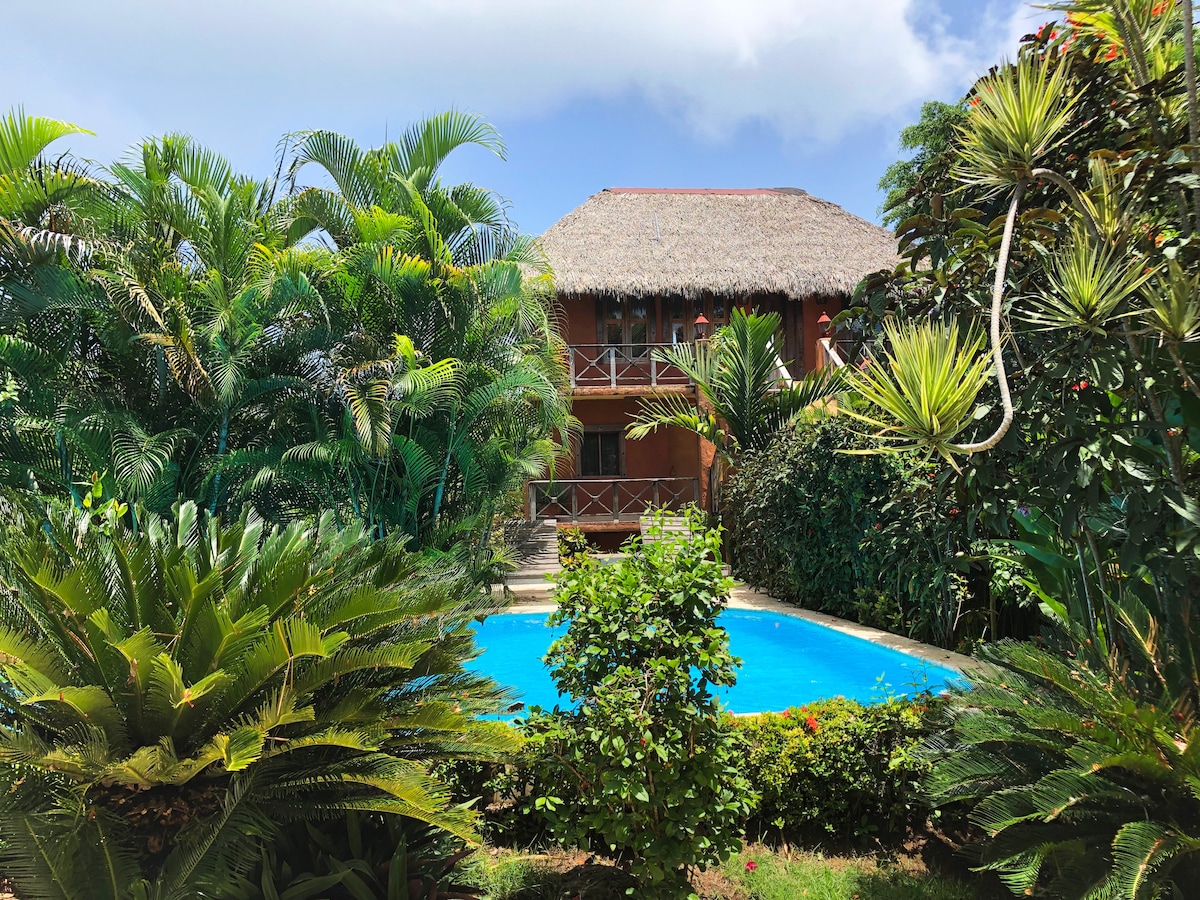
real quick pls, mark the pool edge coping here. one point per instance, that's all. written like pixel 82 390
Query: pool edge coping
pixel 745 597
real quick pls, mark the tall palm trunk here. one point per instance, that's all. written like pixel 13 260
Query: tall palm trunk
pixel 222 443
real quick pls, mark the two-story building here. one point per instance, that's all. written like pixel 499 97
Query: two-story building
pixel 640 268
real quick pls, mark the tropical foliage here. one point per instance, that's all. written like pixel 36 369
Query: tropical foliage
pixel 374 349
pixel 866 537
pixel 747 396
pixel 1065 215
pixel 172 696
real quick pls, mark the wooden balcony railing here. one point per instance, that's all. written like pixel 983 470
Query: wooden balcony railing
pixel 616 366
pixel 829 354
pixel 608 499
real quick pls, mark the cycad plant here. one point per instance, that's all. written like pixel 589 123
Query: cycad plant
pixel 1082 767
pixel 170 696
pixel 747 394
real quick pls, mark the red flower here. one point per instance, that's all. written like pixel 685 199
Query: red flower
pixel 787 714
pixel 811 724
pixel 1083 385
pixel 974 101
pixel 1161 8
pixel 1112 52
pixel 751 866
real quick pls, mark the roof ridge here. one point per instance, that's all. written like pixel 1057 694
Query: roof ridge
pixel 665 190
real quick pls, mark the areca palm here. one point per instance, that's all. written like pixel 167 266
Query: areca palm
pixel 740 377
pixel 392 194
pixel 169 696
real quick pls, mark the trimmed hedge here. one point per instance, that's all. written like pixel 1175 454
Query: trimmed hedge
pixel 835 768
pixel 800 516
pixel 838 768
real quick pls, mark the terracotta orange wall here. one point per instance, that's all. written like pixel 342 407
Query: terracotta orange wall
pixel 580 320
pixel 668 452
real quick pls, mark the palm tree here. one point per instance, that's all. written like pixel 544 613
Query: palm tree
pixel 171 695
pixel 747 396
pixel 391 195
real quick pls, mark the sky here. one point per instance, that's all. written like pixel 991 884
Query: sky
pixel 587 94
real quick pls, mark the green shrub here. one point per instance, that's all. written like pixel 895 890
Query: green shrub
pixel 866 537
pixel 573 547
pixel 837 767
pixel 798 512
pixel 172 695
pixel 644 767
pixel 359 856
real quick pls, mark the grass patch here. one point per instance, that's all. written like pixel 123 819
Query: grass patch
pixel 555 875
pixel 510 876
pixel 809 876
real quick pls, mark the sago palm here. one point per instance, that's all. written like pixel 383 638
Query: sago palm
pixel 170 696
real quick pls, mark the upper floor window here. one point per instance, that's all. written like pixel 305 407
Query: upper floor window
pixel 627 321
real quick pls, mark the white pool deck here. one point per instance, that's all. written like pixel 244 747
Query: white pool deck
pixel 744 597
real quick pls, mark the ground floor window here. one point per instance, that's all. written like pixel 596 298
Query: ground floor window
pixel 602 453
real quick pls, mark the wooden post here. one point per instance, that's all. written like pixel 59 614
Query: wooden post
pixel 616 503
pixel 612 367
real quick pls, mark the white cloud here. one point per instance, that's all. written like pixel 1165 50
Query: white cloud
pixel 238 73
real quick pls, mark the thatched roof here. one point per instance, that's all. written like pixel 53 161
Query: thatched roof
pixel 642 241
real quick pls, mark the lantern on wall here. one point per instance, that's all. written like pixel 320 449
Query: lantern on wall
pixel 824 322
pixel 701 327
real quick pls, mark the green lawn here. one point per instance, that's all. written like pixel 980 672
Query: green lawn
pixel 808 875
pixel 507 875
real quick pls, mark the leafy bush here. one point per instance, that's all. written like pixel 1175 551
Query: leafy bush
pixel 645 766
pixel 572 547
pixel 837 767
pixel 876 539
pixel 171 695
pixel 798 512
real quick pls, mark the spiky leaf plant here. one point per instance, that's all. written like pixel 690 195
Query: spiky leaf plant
pixel 1017 116
pixel 924 389
pixel 1089 283
pixel 171 695
pixel 1081 767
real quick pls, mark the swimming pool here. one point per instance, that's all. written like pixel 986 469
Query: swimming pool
pixel 786 661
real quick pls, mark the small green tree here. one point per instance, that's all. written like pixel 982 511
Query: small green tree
pixel 645 765
pixel 929 141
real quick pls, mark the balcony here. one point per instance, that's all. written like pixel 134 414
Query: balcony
pixel 605 369
pixel 608 500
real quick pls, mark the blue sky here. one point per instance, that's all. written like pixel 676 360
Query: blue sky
pixel 587 93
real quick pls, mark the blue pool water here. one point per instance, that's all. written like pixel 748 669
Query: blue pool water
pixel 786 661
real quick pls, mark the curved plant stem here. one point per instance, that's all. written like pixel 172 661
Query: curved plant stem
pixel 997 337
pixel 1182 370
pixel 1076 199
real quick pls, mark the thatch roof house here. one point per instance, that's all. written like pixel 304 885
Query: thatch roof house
pixel 687 252
pixel 645 242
